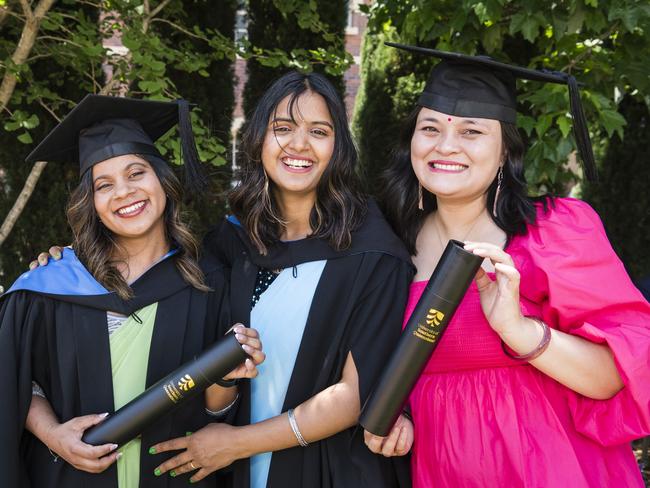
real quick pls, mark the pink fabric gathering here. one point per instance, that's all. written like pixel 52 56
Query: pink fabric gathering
pixel 483 419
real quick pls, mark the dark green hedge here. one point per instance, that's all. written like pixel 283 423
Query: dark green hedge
pixel 622 197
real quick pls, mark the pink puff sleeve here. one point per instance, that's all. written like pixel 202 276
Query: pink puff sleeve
pixel 584 290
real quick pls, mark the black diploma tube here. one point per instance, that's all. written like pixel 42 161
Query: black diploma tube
pixel 446 288
pixel 186 382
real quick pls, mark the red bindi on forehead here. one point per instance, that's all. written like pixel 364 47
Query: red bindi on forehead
pixel 448 119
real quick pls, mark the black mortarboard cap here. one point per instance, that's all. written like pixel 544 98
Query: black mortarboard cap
pixel 101 127
pixel 479 86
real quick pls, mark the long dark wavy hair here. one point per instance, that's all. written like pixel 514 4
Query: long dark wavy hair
pixel 399 198
pixel 97 248
pixel 340 206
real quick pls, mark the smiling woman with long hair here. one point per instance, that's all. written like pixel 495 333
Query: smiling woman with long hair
pixel 88 333
pixel 316 269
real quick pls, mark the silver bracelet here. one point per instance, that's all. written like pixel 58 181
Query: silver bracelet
pixel 296 430
pixel 55 456
pixel 223 411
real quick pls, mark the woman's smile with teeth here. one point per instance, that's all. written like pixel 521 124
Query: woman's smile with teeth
pixel 297 163
pixel 451 167
pixel 131 208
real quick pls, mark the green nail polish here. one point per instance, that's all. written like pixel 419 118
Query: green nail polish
pixel 188 433
pixel 157 472
pixel 191 480
pixel 172 473
pixel 152 450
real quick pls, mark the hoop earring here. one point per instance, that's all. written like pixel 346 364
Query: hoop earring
pixel 420 199
pixel 496 194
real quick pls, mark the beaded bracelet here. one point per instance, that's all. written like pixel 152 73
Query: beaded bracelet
pixel 539 349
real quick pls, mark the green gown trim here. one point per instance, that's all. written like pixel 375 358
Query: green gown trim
pixel 130 346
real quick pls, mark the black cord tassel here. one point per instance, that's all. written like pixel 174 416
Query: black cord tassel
pixel 195 179
pixel 581 131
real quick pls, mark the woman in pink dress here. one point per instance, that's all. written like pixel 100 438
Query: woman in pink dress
pixel 542 378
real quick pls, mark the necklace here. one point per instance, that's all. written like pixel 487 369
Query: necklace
pixel 471 228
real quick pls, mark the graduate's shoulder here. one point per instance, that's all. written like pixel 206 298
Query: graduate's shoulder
pixel 212 267
pixel 223 241
pixel 376 235
pixel 64 277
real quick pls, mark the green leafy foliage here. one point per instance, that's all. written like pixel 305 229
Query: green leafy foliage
pixel 602 43
pixel 48 84
pixel 184 49
pixel 294 34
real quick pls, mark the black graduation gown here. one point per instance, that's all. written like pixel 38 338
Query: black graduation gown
pixel 358 306
pixel 62 343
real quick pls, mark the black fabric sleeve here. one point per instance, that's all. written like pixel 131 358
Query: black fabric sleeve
pixel 218 308
pixel 377 320
pixel 20 315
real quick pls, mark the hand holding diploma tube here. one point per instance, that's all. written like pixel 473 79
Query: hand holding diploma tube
pixel 185 382
pixel 444 291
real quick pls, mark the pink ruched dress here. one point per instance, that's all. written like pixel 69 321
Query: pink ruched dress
pixel 485 420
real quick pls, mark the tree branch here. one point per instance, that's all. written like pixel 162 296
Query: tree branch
pixel 108 87
pixel 21 201
pixel 24 47
pixel 59 39
pixel 181 29
pixel 4 11
pixel 49 110
pixel 24 4
pixel 587 52
pixel 148 16
pixel 157 10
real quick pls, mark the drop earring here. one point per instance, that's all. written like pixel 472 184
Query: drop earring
pixel 496 194
pixel 420 199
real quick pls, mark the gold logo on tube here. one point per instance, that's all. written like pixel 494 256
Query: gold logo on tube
pixel 186 383
pixel 434 317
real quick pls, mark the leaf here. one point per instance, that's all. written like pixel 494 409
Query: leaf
pixel 12 126
pixel 492 39
pixel 530 29
pixel 576 19
pixel 613 122
pixel 31 122
pixel 526 123
pixel 517 22
pixel 25 138
pixel 543 124
pixel 564 125
pixel 481 11
pixel 151 86
pixel 628 15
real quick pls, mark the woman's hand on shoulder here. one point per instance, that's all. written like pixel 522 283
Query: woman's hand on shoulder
pixel 397 443
pixel 252 345
pixel 55 252
pixel 499 297
pixel 65 441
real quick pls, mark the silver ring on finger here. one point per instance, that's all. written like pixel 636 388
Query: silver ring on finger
pixel 192 465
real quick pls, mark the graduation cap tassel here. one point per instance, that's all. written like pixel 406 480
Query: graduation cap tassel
pixel 580 131
pixel 195 179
